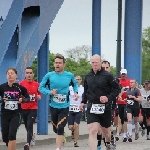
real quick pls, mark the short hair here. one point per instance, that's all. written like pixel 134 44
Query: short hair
pixel 12 69
pixel 60 57
pixel 105 62
pixel 29 68
pixel 78 76
pixel 97 56
pixel 134 80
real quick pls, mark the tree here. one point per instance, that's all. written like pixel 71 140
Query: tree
pixel 78 52
pixel 146 54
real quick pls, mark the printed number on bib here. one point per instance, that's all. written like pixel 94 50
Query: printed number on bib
pixel 11 105
pixel 32 97
pixel 97 108
pixel 74 108
pixel 130 102
pixel 59 98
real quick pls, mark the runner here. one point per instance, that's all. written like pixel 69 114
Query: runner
pixel 121 102
pixel 12 95
pixel 100 88
pixel 74 111
pixel 132 109
pixel 59 82
pixel 145 92
pixel 30 109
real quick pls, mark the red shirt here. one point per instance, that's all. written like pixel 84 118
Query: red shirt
pixel 124 83
pixel 32 88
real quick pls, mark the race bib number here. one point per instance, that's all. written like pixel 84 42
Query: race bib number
pixel 130 102
pixel 145 104
pixel 59 98
pixel 74 108
pixel 32 97
pixel 97 108
pixel 11 105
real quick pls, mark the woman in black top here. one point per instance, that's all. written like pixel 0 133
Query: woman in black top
pixel 12 95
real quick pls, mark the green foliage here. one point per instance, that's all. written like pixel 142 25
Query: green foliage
pixel 113 70
pixel 82 67
pixel 34 66
pixel 146 54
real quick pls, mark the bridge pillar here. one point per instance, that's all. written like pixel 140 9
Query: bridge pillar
pixel 43 68
pixel 133 38
pixel 96 27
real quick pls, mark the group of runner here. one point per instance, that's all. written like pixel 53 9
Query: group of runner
pixel 106 97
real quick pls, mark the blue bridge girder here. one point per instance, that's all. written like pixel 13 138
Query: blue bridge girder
pixel 28 29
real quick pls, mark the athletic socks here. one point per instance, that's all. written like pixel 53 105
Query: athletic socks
pixel 137 128
pixel 129 128
pixel 99 138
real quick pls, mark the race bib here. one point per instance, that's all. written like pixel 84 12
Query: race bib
pixel 130 102
pixel 74 108
pixel 145 104
pixel 97 108
pixel 11 105
pixel 59 98
pixel 32 97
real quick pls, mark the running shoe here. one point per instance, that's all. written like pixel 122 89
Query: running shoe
pixel 143 132
pixel 148 137
pixel 110 147
pixel 130 139
pixel 76 144
pixel 99 148
pixel 26 147
pixel 124 139
pixel 136 136
pixel 117 138
pixel 113 142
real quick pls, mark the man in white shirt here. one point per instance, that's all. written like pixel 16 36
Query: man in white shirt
pixel 74 111
pixel 145 92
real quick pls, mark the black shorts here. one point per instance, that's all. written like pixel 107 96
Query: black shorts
pixel 121 112
pixel 10 125
pixel 74 117
pixel 104 119
pixel 133 110
pixel 59 119
pixel 146 112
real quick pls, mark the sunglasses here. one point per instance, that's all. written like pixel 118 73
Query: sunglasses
pixel 78 79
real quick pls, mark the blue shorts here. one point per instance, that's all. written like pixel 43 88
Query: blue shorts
pixel 74 117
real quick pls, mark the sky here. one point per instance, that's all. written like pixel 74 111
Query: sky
pixel 73 27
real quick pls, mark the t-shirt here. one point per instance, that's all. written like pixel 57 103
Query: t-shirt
pixel 125 83
pixel 145 94
pixel 32 88
pixel 130 101
pixel 61 82
pixel 12 94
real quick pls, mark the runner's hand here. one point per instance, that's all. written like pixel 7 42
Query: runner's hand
pixel 103 99
pixel 53 92
pixel 5 99
pixel 81 107
pixel 20 100
pixel 75 96
pixel 38 97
